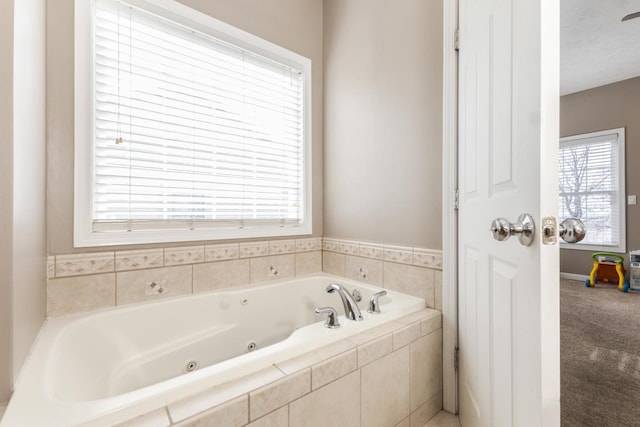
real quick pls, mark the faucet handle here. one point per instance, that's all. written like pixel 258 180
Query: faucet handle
pixel 374 304
pixel 332 317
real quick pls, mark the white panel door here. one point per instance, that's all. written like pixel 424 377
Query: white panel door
pixel 508 141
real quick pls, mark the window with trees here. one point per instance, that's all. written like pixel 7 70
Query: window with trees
pixel 186 128
pixel 591 181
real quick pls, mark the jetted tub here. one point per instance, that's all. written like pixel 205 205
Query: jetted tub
pixel 136 358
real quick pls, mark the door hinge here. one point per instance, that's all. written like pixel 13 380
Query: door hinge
pixel 456 201
pixel 456 358
pixel 456 39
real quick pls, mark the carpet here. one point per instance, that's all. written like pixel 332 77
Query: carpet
pixel 600 356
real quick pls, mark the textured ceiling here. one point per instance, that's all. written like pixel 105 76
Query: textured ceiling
pixel 596 48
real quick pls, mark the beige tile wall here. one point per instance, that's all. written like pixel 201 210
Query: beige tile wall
pixel 92 281
pixel 413 271
pixel 391 376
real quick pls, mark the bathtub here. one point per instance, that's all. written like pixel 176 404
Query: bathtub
pixel 133 359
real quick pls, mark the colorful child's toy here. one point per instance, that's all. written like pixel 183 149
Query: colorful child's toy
pixel 607 268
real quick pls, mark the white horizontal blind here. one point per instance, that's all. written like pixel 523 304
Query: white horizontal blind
pixel 189 131
pixel 589 187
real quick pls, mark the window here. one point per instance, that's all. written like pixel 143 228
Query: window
pixel 592 187
pixel 186 128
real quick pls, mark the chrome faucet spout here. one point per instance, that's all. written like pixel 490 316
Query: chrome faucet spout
pixel 351 309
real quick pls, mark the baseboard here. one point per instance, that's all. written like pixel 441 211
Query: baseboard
pixel 572 276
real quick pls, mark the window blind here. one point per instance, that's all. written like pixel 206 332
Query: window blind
pixel 589 187
pixel 189 131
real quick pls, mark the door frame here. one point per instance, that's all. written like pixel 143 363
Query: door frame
pixel 449 209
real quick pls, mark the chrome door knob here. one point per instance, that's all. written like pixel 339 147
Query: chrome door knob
pixel 524 228
pixel 572 230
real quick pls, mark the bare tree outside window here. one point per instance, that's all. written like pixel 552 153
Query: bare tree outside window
pixel 588 186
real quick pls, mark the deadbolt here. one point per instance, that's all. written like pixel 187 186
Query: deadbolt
pixel 524 228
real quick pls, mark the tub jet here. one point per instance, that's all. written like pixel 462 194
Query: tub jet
pixel 191 366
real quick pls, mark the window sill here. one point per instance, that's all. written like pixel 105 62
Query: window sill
pixel 87 238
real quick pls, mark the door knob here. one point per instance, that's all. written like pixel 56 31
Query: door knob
pixel 524 228
pixel 572 230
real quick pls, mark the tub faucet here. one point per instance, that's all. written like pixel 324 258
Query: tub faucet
pixel 351 309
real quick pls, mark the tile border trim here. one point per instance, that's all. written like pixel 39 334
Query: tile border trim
pixel 88 263
pixel 420 257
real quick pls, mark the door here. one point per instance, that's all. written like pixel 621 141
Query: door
pixel 508 299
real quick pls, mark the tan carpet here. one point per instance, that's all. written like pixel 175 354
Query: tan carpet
pixel 600 356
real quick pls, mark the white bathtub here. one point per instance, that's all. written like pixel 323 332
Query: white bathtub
pixel 135 359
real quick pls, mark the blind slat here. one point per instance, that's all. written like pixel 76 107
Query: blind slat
pixel 588 186
pixel 191 130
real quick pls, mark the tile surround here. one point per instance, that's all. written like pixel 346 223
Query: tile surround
pixel 374 350
pixel 142 285
pixel 202 268
pixel 83 264
pixel 183 255
pixel 201 402
pixel 279 393
pixel 410 279
pixel 426 412
pixel 334 263
pixel 221 274
pixel 221 252
pixel 277 418
pixel 400 254
pixel 308 360
pixel 254 249
pixel 386 390
pixel 77 294
pixel 438 289
pixel 230 414
pixel 139 259
pixel 444 419
pixel 277 247
pixel 308 262
pixel 157 418
pixel 380 393
pixel 365 270
pixel 329 370
pixel 426 356
pixel 415 271
pixel 293 392
pixel 272 267
pixel 335 404
pixel 371 250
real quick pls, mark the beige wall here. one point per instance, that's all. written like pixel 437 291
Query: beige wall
pixel 22 178
pixel 607 107
pixel 383 114
pixel 29 152
pixel 6 195
pixel 293 24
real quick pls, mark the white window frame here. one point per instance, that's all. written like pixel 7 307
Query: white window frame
pixel 84 236
pixel 621 202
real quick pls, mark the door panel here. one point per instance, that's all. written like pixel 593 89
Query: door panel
pixel 508 293
pixel 502 284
